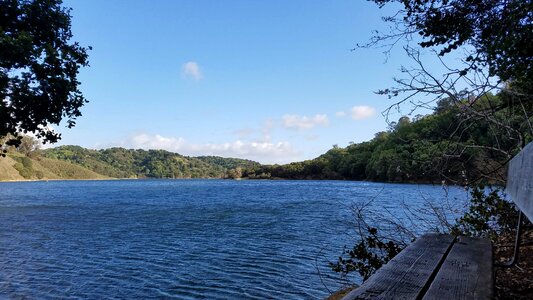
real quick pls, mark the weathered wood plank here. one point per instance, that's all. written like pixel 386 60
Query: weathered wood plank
pixel 466 273
pixel 405 276
pixel 520 180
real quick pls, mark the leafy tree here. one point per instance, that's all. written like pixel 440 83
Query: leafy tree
pixel 499 31
pixel 39 65
pixel 235 173
pixel 28 145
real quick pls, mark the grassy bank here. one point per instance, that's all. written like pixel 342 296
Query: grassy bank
pixel 18 167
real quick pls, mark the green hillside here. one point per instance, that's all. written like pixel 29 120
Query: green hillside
pixel 75 162
pixel 431 148
pixel 129 163
pixel 229 163
pixel 17 166
pixel 7 170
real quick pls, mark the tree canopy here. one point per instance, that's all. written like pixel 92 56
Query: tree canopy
pixel 39 65
pixel 500 31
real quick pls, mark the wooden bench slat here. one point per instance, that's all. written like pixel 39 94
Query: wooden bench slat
pixel 466 273
pixel 405 276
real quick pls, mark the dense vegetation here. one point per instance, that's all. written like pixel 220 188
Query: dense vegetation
pixel 39 66
pixel 18 166
pixel 430 148
pixel 128 163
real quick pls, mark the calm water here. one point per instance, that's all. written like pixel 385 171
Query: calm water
pixel 185 239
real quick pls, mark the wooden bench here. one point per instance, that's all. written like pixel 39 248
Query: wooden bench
pixel 438 266
pixel 435 266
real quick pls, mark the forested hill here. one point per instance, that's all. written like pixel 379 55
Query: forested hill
pixel 129 163
pixel 75 162
pixel 444 145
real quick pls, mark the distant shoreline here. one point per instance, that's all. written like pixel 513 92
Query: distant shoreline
pixel 234 179
pixel 67 179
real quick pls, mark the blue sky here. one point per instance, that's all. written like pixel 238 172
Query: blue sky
pixel 272 81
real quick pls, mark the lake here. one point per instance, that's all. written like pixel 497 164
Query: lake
pixel 184 239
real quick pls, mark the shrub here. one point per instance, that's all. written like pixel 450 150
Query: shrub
pixel 489 214
pixel 367 256
pixel 25 167
pixel 39 174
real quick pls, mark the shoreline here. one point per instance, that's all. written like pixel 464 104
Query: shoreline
pixel 235 179
pixel 66 179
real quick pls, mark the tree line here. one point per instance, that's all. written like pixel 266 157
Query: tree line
pixel 435 147
pixel 430 148
pixel 129 163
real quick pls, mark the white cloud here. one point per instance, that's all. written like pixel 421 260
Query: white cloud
pixel 191 69
pixel 264 152
pixel 145 141
pixel 362 112
pixel 340 114
pixel 299 122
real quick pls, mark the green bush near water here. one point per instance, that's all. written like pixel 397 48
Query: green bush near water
pixel 489 214
pixel 24 166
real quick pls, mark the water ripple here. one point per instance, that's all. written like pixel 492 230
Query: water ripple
pixel 181 239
